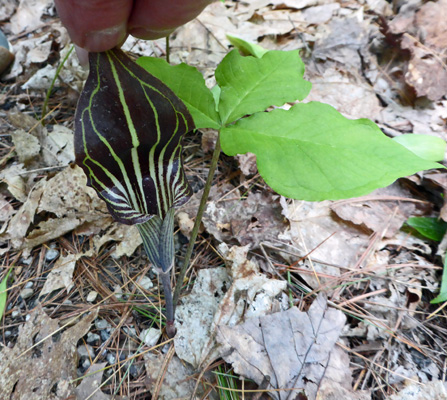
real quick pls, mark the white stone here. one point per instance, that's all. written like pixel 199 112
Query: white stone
pixel 92 296
pixel 150 336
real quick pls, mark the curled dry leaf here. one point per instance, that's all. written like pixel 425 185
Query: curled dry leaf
pixel 194 317
pixel 383 211
pixel 331 243
pixel 46 371
pixel 61 276
pixel 251 221
pixel 429 391
pixel 178 382
pixel 26 145
pixel 290 350
pixel 90 385
pixel 224 297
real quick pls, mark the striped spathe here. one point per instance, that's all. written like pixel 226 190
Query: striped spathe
pixel 129 128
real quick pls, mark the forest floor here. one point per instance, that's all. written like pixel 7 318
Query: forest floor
pixel 283 298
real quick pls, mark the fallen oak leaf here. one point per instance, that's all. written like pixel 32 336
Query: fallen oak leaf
pixel 223 297
pixel 41 366
pixel 90 385
pixel 290 350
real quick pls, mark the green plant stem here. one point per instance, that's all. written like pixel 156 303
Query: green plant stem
pixel 56 75
pixel 168 50
pixel 195 229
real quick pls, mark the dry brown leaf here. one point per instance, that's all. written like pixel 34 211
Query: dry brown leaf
pixel 47 370
pixel 247 163
pixel 251 221
pixel 178 382
pixel 427 71
pixel 26 145
pixel 424 34
pixel 8 8
pixel 28 15
pixel 57 146
pixel 91 383
pixel 16 185
pixel 127 237
pixel 61 275
pixel 290 350
pixel 330 243
pixel 221 298
pixel 194 317
pixel 375 212
pixel 349 95
pixel 6 209
pixel 430 391
pixel 18 225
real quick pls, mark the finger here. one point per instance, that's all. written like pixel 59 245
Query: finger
pixel 151 19
pixel 95 25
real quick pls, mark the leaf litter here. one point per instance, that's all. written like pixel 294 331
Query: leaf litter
pixel 357 252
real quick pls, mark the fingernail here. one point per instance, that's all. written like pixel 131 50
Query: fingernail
pixel 82 56
pixel 147 34
pixel 105 39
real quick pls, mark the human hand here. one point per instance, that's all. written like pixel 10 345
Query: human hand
pixel 100 25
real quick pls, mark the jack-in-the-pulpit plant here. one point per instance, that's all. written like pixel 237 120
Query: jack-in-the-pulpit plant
pixel 129 128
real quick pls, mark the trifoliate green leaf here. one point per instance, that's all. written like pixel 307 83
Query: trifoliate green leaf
pixel 312 152
pixel 247 48
pixel 430 148
pixel 250 84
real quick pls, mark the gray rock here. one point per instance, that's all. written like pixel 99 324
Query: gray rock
pixel 51 254
pixel 93 337
pixel 26 293
pixel 111 359
pixel 101 324
pixel 105 334
pixel 86 351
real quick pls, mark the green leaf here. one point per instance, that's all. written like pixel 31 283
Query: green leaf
pixel 247 48
pixel 252 84
pixel 4 293
pixel 311 152
pixel 430 227
pixel 188 84
pixel 430 148
pixel 442 296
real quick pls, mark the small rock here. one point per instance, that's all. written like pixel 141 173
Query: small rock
pixel 29 285
pixel 111 359
pixel 145 283
pixel 92 296
pixel 105 335
pixel 185 223
pixel 25 293
pixel 86 351
pixel 130 331
pixel 101 324
pixel 27 261
pixel 93 338
pixel 51 254
pixel 86 364
pixel 118 292
pixel 8 334
pixel 150 336
pixel 134 371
